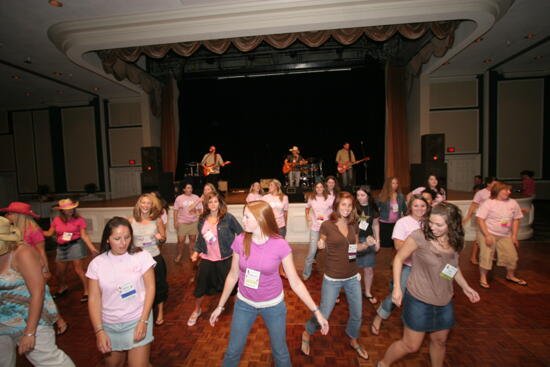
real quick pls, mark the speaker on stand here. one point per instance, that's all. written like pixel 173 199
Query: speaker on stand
pixel 433 161
pixel 152 176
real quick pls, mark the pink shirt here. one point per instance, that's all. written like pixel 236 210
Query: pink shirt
pixel 438 197
pixel 182 204
pixel 113 272
pixel 211 239
pixel 320 210
pixel 403 228
pixel 33 236
pixel 73 226
pixel 279 207
pixel 499 215
pixel 394 212
pixel 481 196
pixel 253 197
pixel 266 259
pixel 528 186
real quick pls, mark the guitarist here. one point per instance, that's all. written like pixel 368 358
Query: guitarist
pixel 295 160
pixel 345 156
pixel 213 161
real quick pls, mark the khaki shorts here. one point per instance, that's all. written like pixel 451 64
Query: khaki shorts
pixel 507 254
pixel 187 229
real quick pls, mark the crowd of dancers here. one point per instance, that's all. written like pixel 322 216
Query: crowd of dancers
pixel 125 284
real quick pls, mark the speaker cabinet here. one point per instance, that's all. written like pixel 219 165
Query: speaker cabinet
pixel 420 172
pixel 433 148
pixel 162 182
pixel 151 159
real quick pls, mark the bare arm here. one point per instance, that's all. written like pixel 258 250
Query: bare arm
pixel 141 326
pixel 161 235
pixel 472 295
pixel 404 252
pixel 230 281
pixel 301 291
pixel 49 232
pixel 376 231
pixel 473 207
pixel 87 241
pixel 515 231
pixel 27 262
pixel 175 219
pixel 94 309
pixel 489 239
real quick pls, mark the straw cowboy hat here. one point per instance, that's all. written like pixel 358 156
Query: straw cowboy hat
pixel 21 208
pixel 294 148
pixel 8 233
pixel 66 204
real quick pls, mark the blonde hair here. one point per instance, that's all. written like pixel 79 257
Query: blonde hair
pixel 24 222
pixel 156 208
pixel 252 188
pixel 263 213
pixel 278 185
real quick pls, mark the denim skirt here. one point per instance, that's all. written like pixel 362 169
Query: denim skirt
pixel 71 251
pixel 366 258
pixel 423 317
pixel 122 335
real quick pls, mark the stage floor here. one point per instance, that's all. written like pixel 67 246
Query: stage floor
pixel 510 326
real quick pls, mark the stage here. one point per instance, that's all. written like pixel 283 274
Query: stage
pixel 97 213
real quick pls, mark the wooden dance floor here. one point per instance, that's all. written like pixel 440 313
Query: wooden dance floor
pixel 509 327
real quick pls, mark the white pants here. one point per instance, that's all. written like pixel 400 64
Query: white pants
pixel 45 352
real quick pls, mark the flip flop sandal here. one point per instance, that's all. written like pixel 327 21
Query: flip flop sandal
pixel 371 299
pixel 374 330
pixel 193 319
pixel 359 350
pixel 521 282
pixel 484 285
pixel 84 298
pixel 304 343
pixel 160 322
pixel 60 330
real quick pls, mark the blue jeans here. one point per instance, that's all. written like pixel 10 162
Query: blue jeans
pixel 244 316
pixel 386 307
pixel 314 238
pixel 329 293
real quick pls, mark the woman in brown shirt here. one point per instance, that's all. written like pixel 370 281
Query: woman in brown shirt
pixel 341 241
pixel 427 305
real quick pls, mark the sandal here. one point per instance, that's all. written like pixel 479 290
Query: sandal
pixel 338 300
pixel 193 319
pixel 60 293
pixel 371 299
pixel 178 259
pixel 484 285
pixel 521 282
pixel 84 299
pixel 160 322
pixel 360 351
pixel 305 344
pixel 374 330
pixel 61 329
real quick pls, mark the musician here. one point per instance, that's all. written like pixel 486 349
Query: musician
pixel 295 160
pixel 213 161
pixel 346 156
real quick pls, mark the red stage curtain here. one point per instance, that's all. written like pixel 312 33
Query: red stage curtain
pixel 168 128
pixel 397 147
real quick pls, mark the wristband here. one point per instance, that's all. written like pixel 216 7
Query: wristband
pixel 98 330
pixel 144 321
pixel 45 271
pixel 29 334
pixel 317 309
pixel 221 307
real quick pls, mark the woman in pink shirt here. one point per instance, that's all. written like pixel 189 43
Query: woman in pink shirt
pixel 318 209
pixel 255 192
pixel 333 188
pixel 217 230
pixel 498 220
pixel 527 182
pixel 432 183
pixel 257 256
pixel 72 241
pixel 122 290
pixel 187 208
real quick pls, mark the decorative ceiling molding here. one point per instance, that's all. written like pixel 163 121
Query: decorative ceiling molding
pixel 246 18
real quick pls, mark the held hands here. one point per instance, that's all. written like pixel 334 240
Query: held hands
pixel 26 345
pixel 472 295
pixel 323 322
pixel 103 342
pixel 139 331
pixel 194 256
pixel 397 296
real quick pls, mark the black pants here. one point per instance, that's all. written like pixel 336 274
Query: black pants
pixel 213 178
pixel 161 285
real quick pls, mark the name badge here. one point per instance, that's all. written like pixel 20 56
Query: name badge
pixel 395 207
pixel 127 291
pixel 448 272
pixel 148 241
pixel 209 236
pixel 352 251
pixel 67 236
pixel 363 225
pixel 505 222
pixel 252 278
pixel 320 219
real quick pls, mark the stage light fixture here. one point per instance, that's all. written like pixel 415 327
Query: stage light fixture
pixel 57 4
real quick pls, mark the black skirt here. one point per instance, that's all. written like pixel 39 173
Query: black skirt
pixel 161 285
pixel 386 230
pixel 211 277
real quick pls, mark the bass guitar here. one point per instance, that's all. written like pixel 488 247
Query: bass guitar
pixel 343 167
pixel 208 168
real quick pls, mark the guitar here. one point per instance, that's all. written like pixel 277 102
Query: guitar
pixel 343 167
pixel 208 168
pixel 288 166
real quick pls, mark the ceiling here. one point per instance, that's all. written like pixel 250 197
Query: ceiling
pixel 44 59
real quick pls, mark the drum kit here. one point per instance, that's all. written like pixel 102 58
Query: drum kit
pixel 193 169
pixel 311 172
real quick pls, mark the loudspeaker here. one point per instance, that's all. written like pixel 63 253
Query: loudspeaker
pixel 420 172
pixel 162 182
pixel 151 159
pixel 296 195
pixel 433 148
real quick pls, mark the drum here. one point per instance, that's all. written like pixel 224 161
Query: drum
pixel 192 169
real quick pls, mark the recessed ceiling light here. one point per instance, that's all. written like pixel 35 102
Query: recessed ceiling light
pixel 530 36
pixel 486 61
pixel 55 3
pixel 28 94
pixel 538 57
pixel 15 77
pixel 479 39
pixel 57 73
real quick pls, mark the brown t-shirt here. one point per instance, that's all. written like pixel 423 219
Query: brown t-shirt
pixel 425 282
pixel 338 266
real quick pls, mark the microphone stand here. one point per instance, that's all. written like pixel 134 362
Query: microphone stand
pixel 365 162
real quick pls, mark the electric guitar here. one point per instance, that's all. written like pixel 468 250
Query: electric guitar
pixel 208 168
pixel 288 166
pixel 343 167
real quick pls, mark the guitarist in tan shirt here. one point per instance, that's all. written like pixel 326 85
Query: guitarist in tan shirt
pixel 211 163
pixel 344 159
